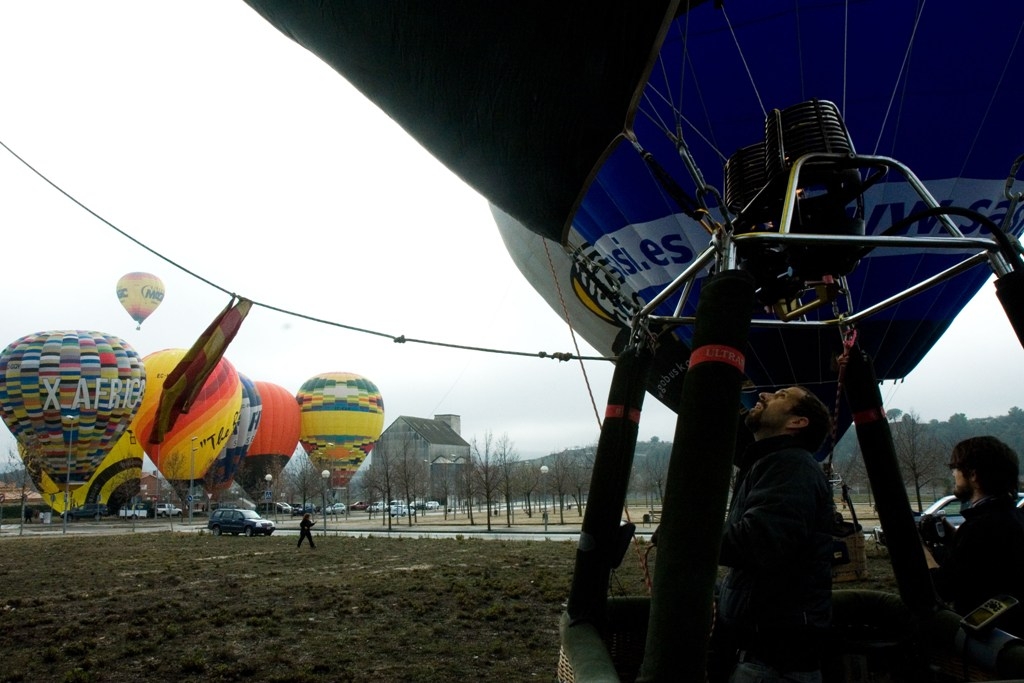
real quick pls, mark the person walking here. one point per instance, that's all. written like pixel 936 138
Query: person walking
pixel 775 602
pixel 304 530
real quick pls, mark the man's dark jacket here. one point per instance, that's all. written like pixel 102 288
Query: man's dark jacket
pixel 777 595
pixel 986 558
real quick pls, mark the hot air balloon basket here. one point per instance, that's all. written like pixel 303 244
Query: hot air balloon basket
pixel 849 562
pixel 587 654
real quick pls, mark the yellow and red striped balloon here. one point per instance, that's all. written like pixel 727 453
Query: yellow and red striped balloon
pixel 199 435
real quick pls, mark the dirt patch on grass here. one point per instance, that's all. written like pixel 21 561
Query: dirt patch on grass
pixel 186 607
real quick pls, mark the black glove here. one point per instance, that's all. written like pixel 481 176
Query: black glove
pixel 935 530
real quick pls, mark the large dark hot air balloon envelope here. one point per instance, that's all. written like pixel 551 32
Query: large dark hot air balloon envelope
pixel 851 157
pixel 609 138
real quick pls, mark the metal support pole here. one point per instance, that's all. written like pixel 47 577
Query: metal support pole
pixel 192 481
pixel 326 476
pixel 69 431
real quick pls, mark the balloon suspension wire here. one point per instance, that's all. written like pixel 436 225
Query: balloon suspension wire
pixel 992 98
pixel 846 54
pixel 899 77
pixel 398 339
pixel 739 51
pixel 572 332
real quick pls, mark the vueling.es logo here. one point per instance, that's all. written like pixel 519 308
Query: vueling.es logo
pixel 599 288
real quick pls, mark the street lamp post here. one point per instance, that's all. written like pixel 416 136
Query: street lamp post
pixel 326 476
pixel 192 480
pixel 429 492
pixel 69 434
pixel 450 490
pixel 345 489
pixel 544 494
pixel 269 495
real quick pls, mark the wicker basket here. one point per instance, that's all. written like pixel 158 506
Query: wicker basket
pixel 857 566
pixel 613 653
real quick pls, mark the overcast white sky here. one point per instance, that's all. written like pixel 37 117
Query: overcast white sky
pixel 201 131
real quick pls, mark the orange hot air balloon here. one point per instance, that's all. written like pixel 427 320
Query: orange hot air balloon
pixel 342 418
pixel 199 435
pixel 276 438
pixel 140 294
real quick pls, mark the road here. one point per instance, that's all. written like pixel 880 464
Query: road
pixel 430 525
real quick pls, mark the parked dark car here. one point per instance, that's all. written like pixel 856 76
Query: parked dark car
pixel 234 522
pixel 359 505
pixel 88 511
pixel 301 509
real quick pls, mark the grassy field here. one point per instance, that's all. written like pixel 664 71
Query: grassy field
pixel 193 607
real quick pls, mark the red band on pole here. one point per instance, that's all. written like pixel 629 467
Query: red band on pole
pixel 719 353
pixel 620 412
pixel 868 416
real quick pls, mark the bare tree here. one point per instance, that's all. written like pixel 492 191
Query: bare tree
pixel 486 473
pixel 919 454
pixel 410 473
pixel 529 480
pixel 580 471
pixel 381 477
pixel 445 486
pixel 179 462
pixel 468 485
pixel 560 478
pixel 852 471
pixel 506 460
pixel 303 478
pixel 650 471
pixel 30 461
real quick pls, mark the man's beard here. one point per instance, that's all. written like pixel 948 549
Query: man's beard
pixel 963 491
pixel 753 417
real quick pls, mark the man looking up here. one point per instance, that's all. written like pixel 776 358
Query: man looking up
pixel 776 600
pixel 986 557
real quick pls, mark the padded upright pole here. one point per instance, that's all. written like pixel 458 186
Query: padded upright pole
pixel 602 538
pixel 1010 290
pixel 697 486
pixel 905 551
